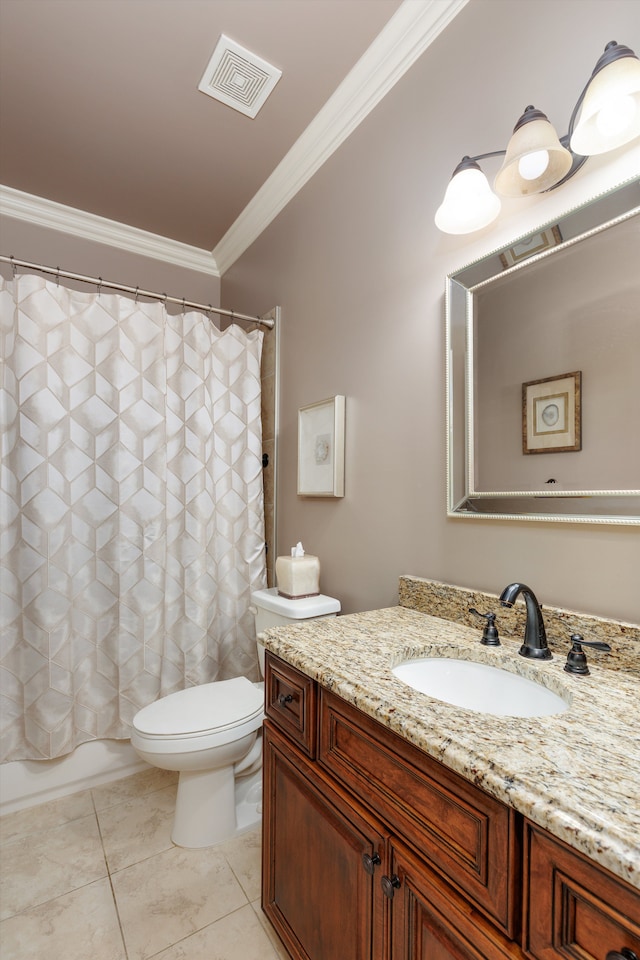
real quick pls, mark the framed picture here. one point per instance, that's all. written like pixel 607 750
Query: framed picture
pixel 551 421
pixel 530 246
pixel 321 448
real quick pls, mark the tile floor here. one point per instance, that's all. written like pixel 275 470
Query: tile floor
pixel 95 876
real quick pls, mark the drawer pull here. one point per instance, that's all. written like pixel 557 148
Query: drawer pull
pixel 370 863
pixel 283 699
pixel 624 954
pixel 389 886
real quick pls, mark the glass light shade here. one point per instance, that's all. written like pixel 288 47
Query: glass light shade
pixel 610 113
pixel 469 203
pixel 532 136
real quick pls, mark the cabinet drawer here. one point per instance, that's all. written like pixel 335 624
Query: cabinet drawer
pixel 470 837
pixel 290 702
pixel 573 908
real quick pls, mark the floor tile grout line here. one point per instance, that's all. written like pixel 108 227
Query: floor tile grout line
pixel 192 933
pixel 47 829
pixel 109 878
pixel 70 890
pixel 57 896
pixel 110 873
pixel 233 871
pixel 133 797
pixel 88 790
pixel 113 871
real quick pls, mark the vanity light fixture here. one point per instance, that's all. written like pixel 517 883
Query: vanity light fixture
pixel 536 159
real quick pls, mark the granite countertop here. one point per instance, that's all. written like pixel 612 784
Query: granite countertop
pixel 577 774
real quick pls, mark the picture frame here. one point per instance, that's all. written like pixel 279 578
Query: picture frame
pixel 321 428
pixel 531 246
pixel 552 415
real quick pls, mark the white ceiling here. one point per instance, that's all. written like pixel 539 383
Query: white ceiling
pixel 100 109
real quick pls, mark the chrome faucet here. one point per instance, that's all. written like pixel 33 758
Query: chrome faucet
pixel 535 636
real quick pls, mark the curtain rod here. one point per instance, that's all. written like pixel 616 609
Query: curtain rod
pixel 99 282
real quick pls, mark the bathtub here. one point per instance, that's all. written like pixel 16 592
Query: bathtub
pixel 24 783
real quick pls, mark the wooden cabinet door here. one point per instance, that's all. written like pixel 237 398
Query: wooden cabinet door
pixel 431 921
pixel 321 862
pixel 574 910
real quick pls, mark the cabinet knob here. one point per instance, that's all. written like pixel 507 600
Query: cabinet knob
pixel 624 954
pixel 390 885
pixel 284 699
pixel 370 863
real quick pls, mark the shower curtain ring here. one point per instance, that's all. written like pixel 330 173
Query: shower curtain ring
pixel 99 285
pixel 183 305
pixel 13 267
pixel 136 300
pixel 57 276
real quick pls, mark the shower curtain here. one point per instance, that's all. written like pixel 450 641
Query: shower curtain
pixel 131 518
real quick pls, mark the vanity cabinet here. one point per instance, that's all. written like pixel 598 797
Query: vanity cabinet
pixel 573 909
pixel 372 849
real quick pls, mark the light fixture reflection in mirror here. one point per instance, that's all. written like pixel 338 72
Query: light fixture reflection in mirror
pixel 528 314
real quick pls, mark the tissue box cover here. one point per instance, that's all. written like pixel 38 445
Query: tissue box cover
pixel 298 577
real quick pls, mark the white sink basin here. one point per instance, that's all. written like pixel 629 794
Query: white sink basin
pixel 480 687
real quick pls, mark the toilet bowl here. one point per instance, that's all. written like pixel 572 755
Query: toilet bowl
pixel 210 734
pixel 202 732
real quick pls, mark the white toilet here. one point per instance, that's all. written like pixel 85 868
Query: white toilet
pixel 210 735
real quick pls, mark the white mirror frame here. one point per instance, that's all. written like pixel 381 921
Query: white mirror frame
pixel 580 506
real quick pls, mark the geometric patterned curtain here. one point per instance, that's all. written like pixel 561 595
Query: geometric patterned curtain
pixel 131 511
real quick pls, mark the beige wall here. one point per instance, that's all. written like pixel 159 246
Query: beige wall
pixel 358 268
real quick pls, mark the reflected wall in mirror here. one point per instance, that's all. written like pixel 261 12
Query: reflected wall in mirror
pixel 570 304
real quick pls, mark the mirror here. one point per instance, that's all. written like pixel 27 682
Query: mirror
pixel 543 396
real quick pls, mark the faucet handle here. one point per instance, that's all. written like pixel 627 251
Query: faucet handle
pixel 490 636
pixel 576 658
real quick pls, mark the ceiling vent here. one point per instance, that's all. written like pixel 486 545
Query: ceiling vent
pixel 239 78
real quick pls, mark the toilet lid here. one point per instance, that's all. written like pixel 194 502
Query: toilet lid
pixel 225 703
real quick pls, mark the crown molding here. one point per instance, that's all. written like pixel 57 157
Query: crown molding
pixel 78 223
pixel 412 29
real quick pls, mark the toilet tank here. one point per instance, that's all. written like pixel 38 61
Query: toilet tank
pixel 271 610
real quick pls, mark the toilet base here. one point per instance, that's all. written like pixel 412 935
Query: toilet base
pixel 248 802
pixel 212 806
pixel 205 807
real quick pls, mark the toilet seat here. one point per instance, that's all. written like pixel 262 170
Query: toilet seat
pixel 209 715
